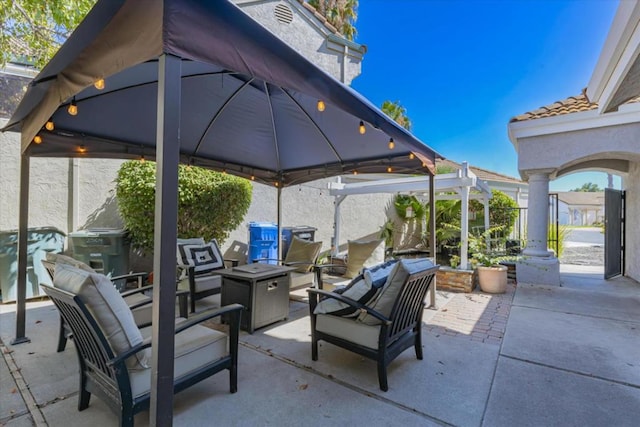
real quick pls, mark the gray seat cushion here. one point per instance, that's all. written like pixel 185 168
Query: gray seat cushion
pixel 349 329
pixel 194 348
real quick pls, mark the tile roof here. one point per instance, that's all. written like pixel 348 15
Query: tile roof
pixel 483 174
pixel 573 104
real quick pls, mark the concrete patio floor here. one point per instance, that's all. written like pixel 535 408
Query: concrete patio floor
pixel 535 356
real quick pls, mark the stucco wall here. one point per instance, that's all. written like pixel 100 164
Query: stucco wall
pixel 616 141
pixel 632 255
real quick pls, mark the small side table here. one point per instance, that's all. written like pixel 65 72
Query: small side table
pixel 263 292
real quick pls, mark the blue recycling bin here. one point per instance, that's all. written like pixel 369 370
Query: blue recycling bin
pixel 40 240
pixel 263 242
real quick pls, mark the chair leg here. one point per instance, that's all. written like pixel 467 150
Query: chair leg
pixel 418 344
pixel 314 348
pixel 62 336
pixel 233 378
pixel 192 301
pixel 382 375
pixel 84 396
pixel 126 417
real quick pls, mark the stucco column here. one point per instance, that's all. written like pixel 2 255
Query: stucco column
pixel 538 265
pixel 538 216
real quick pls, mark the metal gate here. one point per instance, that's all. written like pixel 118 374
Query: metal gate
pixel 614 210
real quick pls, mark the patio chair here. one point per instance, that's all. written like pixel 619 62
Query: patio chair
pixel 340 270
pixel 197 265
pixel 114 354
pixel 138 299
pixel 385 320
pixel 303 255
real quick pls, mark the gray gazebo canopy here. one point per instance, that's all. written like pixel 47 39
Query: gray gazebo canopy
pixel 200 83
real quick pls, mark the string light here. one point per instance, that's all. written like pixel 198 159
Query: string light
pixel 277 184
pixel 37 139
pixel 142 158
pixel 99 84
pixel 82 149
pixel 320 105
pixel 389 169
pixel 355 172
pixel 49 125
pixel 391 144
pixel 73 108
pixel 361 128
pixel 412 156
pixel 253 178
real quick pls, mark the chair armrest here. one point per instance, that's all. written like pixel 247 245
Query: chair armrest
pixel 136 291
pixel 206 315
pixel 140 276
pixel 313 293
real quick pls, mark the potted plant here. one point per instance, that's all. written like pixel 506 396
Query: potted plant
pixel 492 277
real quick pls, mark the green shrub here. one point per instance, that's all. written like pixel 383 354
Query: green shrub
pixel 503 211
pixel 210 204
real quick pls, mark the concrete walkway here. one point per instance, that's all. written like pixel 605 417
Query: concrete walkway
pixel 535 356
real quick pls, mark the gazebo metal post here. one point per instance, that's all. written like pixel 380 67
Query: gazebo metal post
pixel 165 235
pixel 432 232
pixel 279 214
pixel 21 291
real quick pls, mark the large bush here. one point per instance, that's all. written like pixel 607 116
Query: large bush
pixel 210 204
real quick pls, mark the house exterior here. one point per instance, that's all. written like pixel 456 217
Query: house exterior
pixel 595 130
pixel 580 207
pixel 73 194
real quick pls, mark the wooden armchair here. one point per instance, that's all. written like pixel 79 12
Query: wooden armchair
pixel 138 300
pixel 382 328
pixel 114 354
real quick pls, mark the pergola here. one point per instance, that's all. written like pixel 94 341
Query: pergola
pixel 464 183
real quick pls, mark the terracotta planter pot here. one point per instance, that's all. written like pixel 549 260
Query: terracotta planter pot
pixel 493 279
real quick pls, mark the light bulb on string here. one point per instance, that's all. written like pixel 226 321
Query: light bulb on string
pixel 391 144
pixel 361 128
pixel 37 139
pixel 49 125
pixel 99 84
pixel 73 108
pixel 412 156
pixel 320 105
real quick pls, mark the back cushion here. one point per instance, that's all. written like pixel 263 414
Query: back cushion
pixel 391 288
pixel 108 308
pixel 303 251
pixel 363 254
pixel 64 259
pixel 203 257
pixel 364 289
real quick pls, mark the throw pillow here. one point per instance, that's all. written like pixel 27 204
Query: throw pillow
pixel 183 242
pixel 363 254
pixel 204 258
pixel 357 289
pixel 109 309
pixel 394 283
pixel 302 251
pixel 363 289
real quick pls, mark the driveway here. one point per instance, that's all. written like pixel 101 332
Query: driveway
pixel 584 246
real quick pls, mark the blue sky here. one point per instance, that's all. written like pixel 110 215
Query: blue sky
pixel 463 68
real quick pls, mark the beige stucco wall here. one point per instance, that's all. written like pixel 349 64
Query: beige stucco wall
pixel 632 253
pixel 617 142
